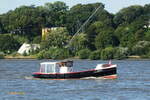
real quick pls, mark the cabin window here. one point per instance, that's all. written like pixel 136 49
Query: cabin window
pixel 42 69
pixel 47 68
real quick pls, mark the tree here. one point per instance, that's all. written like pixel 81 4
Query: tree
pixel 93 30
pixel 127 15
pixel 79 42
pixel 107 53
pixel 121 53
pixel 25 20
pixel 141 48
pixel 56 38
pixel 78 14
pixel 84 53
pixel 56 13
pixel 95 55
pixel 8 44
pixel 56 6
pixel 147 35
pixel 105 39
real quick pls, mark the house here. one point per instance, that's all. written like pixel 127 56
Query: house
pixel 26 48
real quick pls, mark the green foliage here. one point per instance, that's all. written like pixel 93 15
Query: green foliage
pixel 84 53
pixel 25 53
pixel 122 30
pixel 8 44
pixel 56 6
pixel 78 14
pixel 93 30
pixel 95 55
pixel 2 55
pixel 147 35
pixel 37 40
pixel 41 55
pixel 79 42
pixel 107 53
pixel 21 39
pixel 56 38
pixel 148 54
pixel 15 54
pixel 105 39
pixel 120 53
pixel 54 53
pixel 127 15
pixel 141 48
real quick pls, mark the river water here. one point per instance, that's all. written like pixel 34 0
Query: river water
pixel 133 82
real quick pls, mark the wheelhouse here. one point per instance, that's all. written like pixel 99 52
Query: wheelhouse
pixel 56 67
pixel 48 67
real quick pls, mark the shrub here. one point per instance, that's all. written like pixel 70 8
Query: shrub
pixel 121 53
pixel 59 53
pixel 141 48
pixel 14 54
pixel 146 56
pixel 2 55
pixel 54 53
pixel 43 55
pixel 107 53
pixel 95 55
pixel 25 53
pixel 8 44
pixel 84 53
pixel 37 39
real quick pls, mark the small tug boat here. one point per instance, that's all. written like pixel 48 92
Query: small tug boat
pixel 64 70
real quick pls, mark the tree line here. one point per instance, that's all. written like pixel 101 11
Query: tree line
pixel 105 36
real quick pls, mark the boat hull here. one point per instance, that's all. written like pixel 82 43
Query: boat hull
pixel 77 75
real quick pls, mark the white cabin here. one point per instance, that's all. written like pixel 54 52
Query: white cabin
pixel 56 67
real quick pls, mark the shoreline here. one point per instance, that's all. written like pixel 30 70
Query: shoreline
pixel 73 58
pixel 19 57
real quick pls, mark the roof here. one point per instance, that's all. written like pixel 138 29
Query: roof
pixel 48 63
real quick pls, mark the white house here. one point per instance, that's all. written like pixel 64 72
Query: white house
pixel 26 48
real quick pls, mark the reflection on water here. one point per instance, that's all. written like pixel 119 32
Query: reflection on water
pixel 16 82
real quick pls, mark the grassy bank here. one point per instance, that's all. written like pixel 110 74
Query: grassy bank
pixel 19 57
pixel 76 57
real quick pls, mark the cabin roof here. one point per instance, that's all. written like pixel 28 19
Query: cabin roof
pixel 48 63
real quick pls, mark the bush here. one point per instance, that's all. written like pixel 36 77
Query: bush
pixel 59 53
pixel 37 39
pixel 146 56
pixel 25 53
pixel 2 55
pixel 8 44
pixel 121 53
pixel 95 55
pixel 141 48
pixel 84 53
pixel 54 53
pixel 107 53
pixel 14 54
pixel 43 55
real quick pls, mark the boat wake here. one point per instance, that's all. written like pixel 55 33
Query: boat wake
pixel 94 78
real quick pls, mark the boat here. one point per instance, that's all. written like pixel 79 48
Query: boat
pixel 64 70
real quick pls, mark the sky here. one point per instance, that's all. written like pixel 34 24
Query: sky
pixel 113 6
